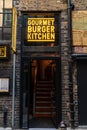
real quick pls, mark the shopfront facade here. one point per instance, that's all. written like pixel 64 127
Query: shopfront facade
pixel 50 64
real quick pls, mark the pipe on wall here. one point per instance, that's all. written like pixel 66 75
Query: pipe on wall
pixel 70 8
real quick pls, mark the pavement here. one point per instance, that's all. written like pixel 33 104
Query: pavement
pixel 81 128
pixel 56 129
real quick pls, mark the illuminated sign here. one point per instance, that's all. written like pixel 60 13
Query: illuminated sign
pixel 41 30
pixel 2 51
pixel 14 29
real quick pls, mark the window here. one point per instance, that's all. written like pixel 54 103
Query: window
pixel 5 19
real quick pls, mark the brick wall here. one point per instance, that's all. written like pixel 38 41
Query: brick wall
pixel 75 95
pixel 65 67
pixel 44 5
pixel 80 4
pixel 6 70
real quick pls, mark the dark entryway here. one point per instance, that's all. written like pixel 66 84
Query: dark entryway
pixel 82 90
pixel 41 94
pixel 40 78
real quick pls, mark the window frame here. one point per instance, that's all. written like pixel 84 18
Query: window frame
pixel 4 26
pixel 7 17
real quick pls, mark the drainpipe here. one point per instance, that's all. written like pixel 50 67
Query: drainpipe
pixel 70 8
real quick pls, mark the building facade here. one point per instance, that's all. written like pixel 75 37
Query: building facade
pixel 50 66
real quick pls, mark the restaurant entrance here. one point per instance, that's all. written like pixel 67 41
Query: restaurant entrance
pixel 40 78
pixel 41 93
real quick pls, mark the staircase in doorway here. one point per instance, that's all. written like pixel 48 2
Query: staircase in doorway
pixel 45 99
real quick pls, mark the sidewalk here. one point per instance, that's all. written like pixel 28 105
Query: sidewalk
pixel 8 128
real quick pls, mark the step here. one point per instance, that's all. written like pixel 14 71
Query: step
pixel 45 81
pixel 40 87
pixel 43 94
pixel 44 84
pixel 44 109
pixel 44 115
pixel 43 89
pixel 43 99
pixel 45 103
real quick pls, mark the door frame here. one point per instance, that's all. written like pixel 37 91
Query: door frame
pixel 58 87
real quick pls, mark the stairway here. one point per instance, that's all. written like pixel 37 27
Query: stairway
pixel 44 102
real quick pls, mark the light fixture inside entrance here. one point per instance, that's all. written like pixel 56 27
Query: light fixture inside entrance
pixel 58 1
pixel 62 1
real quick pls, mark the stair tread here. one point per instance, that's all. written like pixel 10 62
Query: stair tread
pixel 44 102
pixel 42 96
pixel 47 85
pixel 45 81
pixel 44 115
pixel 45 107
pixel 45 112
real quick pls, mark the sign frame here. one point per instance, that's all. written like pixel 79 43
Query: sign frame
pixel 4 52
pixel 45 30
pixel 14 29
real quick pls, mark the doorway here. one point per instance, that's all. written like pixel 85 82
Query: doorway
pixel 41 93
pixel 82 90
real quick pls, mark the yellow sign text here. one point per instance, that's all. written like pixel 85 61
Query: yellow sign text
pixel 2 51
pixel 41 30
